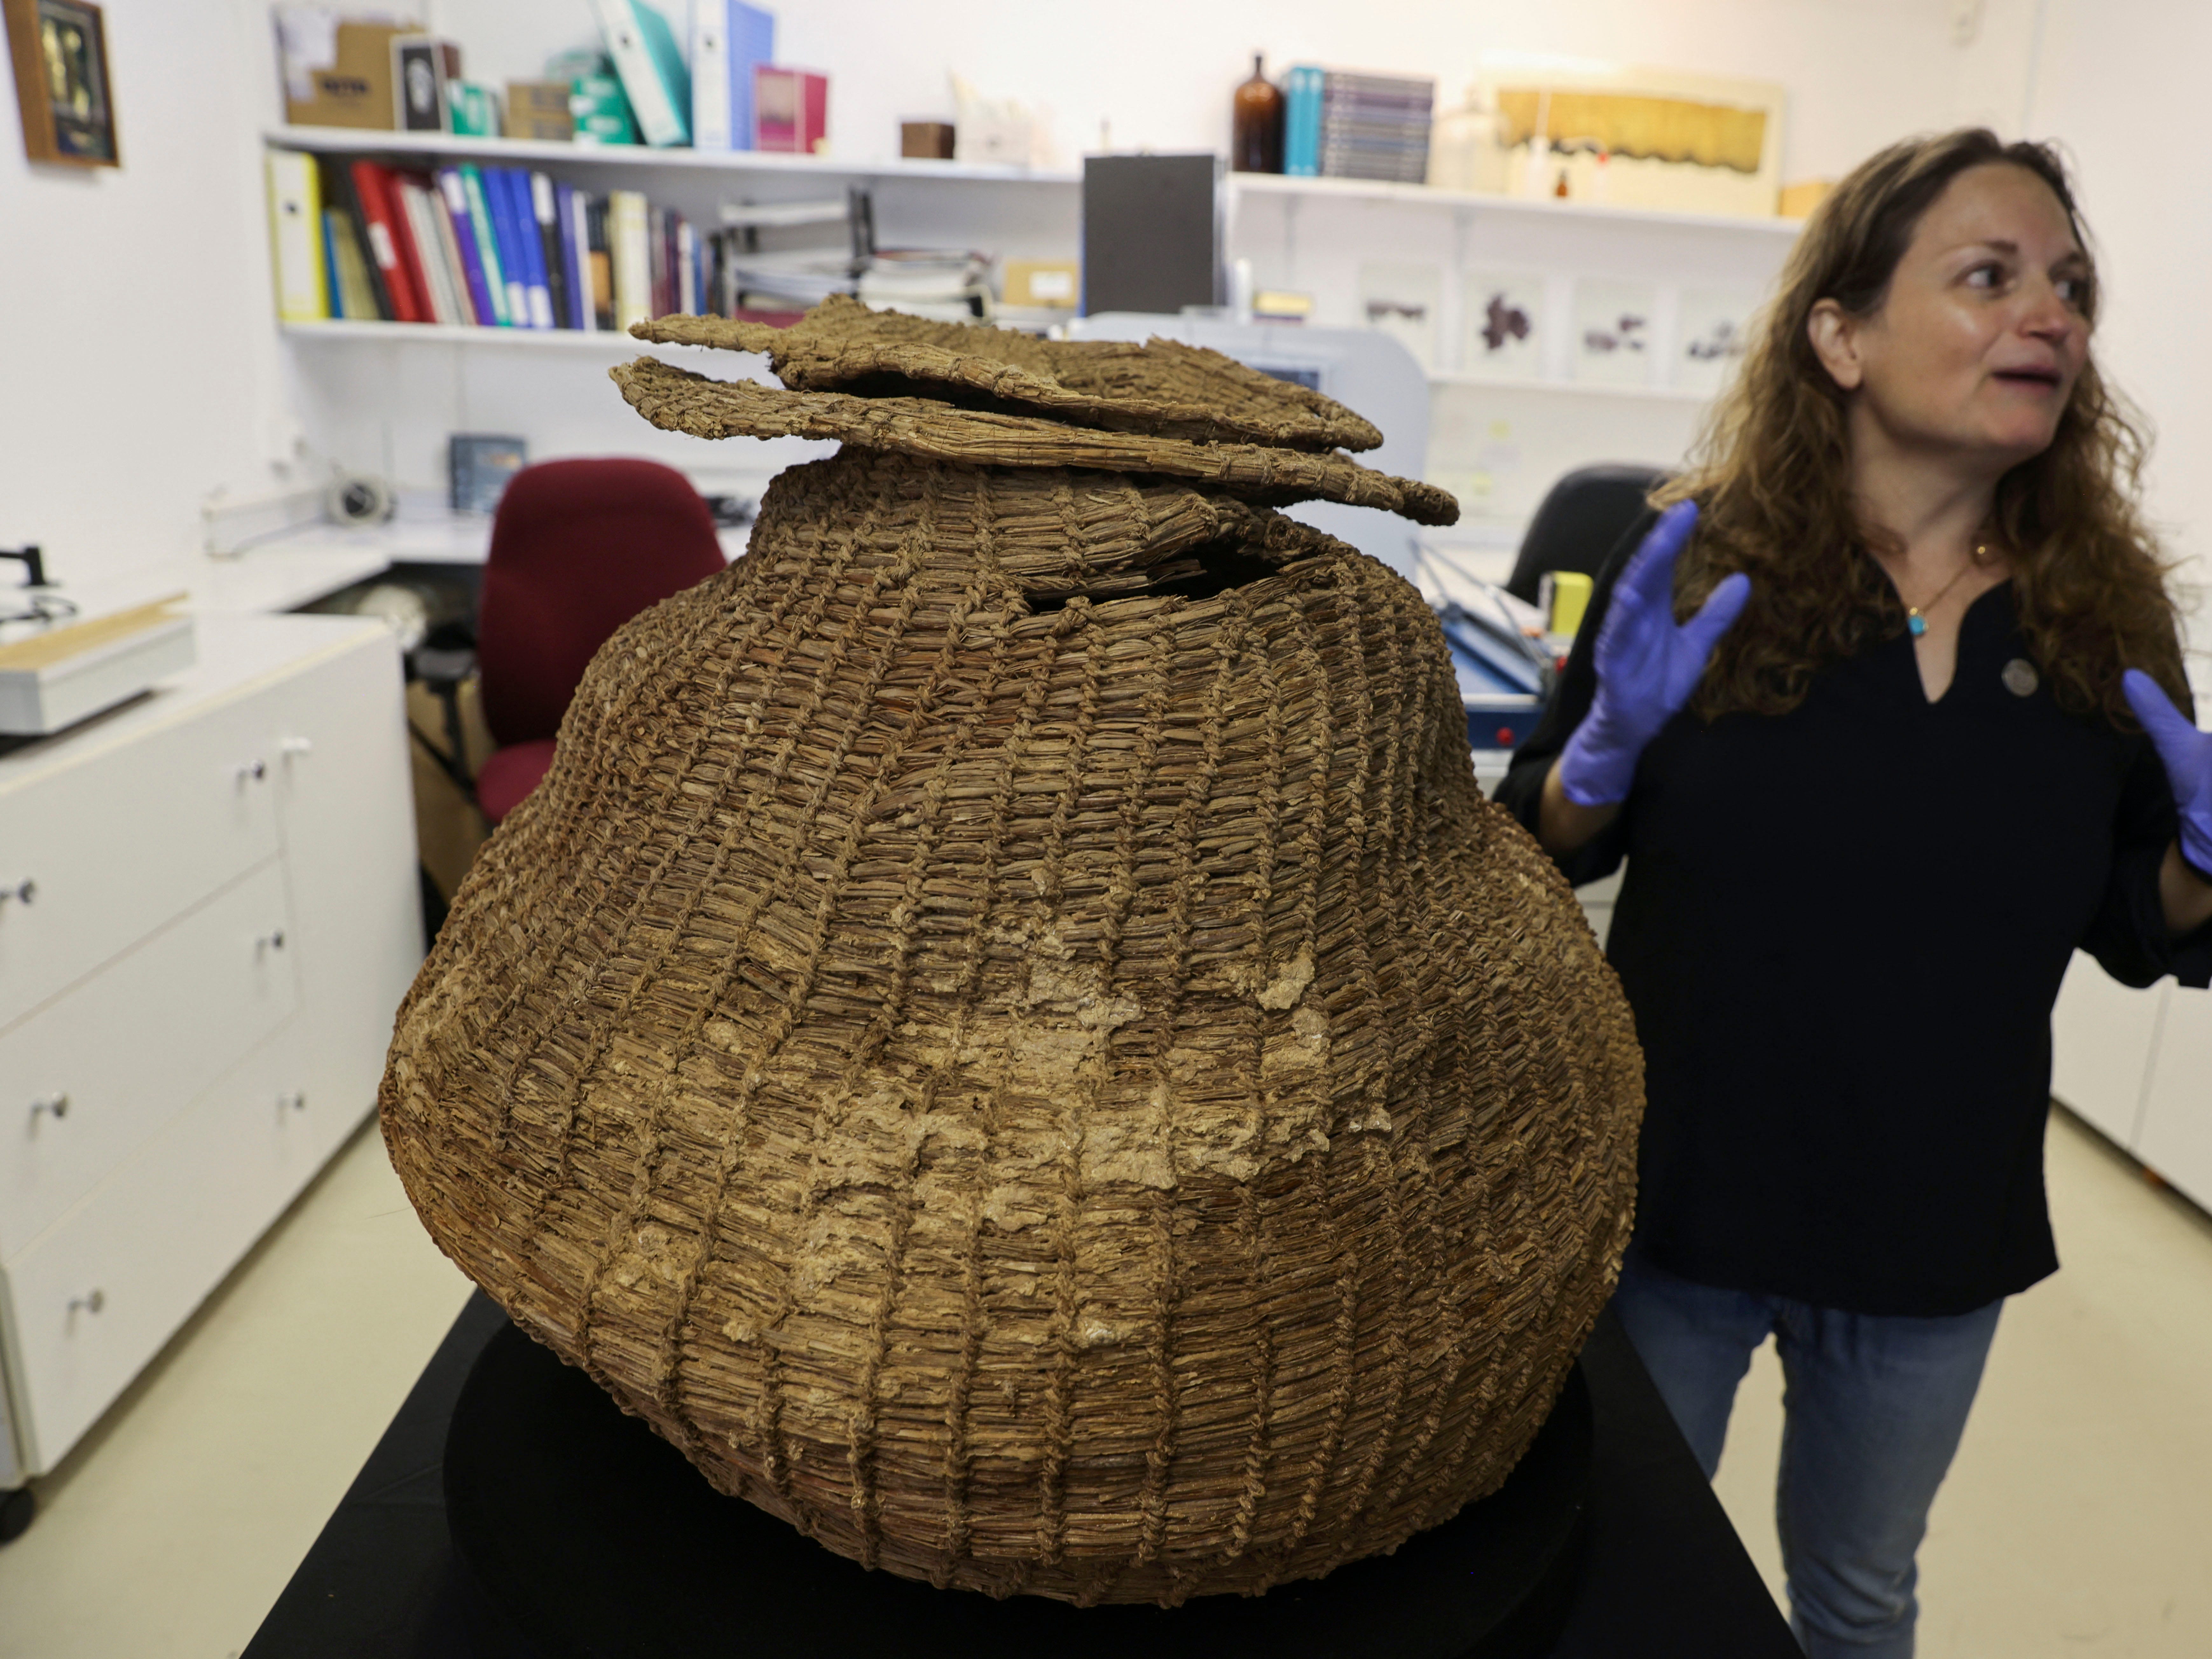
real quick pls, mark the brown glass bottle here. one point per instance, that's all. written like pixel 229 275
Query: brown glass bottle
pixel 1256 124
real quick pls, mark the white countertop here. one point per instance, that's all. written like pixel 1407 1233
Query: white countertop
pixel 297 569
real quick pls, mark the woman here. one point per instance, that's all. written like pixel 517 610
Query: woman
pixel 1917 742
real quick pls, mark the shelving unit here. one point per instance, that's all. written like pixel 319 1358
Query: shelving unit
pixel 1456 377
pixel 1424 196
pixel 1499 442
pixel 631 158
pixel 385 397
pixel 1495 442
pixel 527 339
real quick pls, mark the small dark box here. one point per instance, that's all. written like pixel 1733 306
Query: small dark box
pixel 482 464
pixel 926 141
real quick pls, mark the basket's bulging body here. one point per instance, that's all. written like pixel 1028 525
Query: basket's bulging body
pixel 1009 1034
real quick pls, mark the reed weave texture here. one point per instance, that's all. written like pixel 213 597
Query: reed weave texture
pixel 1010 1035
pixel 1164 388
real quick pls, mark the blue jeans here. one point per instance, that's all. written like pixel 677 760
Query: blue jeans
pixel 1873 1413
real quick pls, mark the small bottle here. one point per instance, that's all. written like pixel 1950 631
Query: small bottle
pixel 1559 186
pixel 1256 124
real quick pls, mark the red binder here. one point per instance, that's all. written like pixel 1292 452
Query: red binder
pixel 390 244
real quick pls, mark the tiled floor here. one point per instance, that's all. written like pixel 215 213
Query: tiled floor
pixel 171 1528
pixel 2078 1521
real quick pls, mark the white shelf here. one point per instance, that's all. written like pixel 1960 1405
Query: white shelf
pixel 531 339
pixel 1573 388
pixel 365 140
pixel 1271 183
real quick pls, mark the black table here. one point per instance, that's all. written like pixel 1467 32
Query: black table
pixel 1663 1573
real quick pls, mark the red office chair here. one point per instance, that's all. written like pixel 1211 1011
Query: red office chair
pixel 578 548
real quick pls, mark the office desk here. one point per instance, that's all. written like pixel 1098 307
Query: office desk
pixel 1664 1576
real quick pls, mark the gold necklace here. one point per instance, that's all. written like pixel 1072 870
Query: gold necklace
pixel 1916 616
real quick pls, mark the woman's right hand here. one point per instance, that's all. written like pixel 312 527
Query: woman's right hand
pixel 1647 664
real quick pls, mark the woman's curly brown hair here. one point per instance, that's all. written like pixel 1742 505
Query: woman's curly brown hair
pixel 1772 476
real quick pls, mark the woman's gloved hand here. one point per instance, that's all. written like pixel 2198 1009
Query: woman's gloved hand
pixel 2187 753
pixel 1647 665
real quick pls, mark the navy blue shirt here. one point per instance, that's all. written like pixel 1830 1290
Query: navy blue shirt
pixel 1842 930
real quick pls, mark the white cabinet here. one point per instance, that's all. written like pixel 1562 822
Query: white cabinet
pixel 114 845
pixel 195 1003
pixel 198 993
pixel 2102 1037
pixel 2176 1137
pixel 2139 1065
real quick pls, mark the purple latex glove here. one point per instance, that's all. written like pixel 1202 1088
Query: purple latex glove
pixel 1647 667
pixel 2187 753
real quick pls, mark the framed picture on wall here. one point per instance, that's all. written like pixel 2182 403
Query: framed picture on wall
pixel 62 84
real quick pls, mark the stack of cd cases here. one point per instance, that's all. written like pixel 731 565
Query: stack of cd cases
pixel 1340 124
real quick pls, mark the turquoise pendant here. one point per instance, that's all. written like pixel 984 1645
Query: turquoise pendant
pixel 1914 624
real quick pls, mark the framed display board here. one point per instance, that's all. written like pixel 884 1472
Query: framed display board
pixel 60 48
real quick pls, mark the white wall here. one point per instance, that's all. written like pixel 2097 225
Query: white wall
pixel 2110 79
pixel 138 370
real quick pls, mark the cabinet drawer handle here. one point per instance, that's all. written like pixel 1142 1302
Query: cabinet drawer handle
pixel 91 1301
pixel 270 941
pixel 253 771
pixel 55 1104
pixel 295 1101
pixel 298 747
pixel 22 892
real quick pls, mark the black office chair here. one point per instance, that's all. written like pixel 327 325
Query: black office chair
pixel 1582 518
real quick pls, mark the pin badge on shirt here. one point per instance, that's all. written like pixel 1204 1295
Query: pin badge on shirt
pixel 2019 677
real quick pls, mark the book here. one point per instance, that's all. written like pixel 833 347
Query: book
pixel 650 65
pixel 414 259
pixel 656 261
pixel 334 304
pixel 431 268
pixel 538 274
pixel 687 270
pixel 599 261
pixel 791 111
pixel 384 235
pixel 1302 122
pixel 728 39
pixel 337 190
pixel 456 197
pixel 627 256
pixel 545 216
pixel 449 250
pixel 507 231
pixel 295 236
pixel 494 271
pixel 572 206
pixel 537 297
pixel 356 295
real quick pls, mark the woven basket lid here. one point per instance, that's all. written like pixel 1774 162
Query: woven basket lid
pixel 1010 1035
pixel 1162 387
pixel 680 400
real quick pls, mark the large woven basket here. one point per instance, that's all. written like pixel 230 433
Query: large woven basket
pixel 1010 1035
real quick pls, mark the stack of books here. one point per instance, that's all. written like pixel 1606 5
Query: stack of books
pixel 487 247
pixel 1338 124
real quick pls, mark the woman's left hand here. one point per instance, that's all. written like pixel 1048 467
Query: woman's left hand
pixel 2187 753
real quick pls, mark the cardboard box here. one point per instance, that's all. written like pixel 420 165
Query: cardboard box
pixel 355 88
pixel 1043 283
pixel 926 141
pixel 540 110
